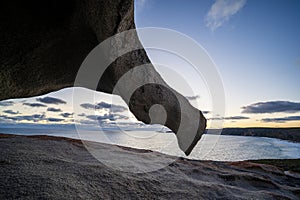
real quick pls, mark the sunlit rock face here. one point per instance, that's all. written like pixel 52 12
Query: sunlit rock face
pixel 43 44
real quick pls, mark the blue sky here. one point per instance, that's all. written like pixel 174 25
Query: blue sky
pixel 255 45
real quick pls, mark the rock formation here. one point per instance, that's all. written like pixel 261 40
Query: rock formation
pixel 43 44
pixel 43 167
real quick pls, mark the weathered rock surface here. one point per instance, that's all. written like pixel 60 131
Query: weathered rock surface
pixel 43 43
pixel 44 167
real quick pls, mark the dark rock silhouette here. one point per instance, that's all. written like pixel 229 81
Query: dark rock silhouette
pixel 43 44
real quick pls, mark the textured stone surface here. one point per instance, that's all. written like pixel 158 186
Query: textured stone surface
pixel 55 168
pixel 43 44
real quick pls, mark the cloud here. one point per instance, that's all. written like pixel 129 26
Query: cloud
pixel 6 103
pixel 33 118
pixel 104 105
pixel 30 118
pixel 34 104
pixel 54 110
pixel 236 118
pixel 221 11
pixel 191 98
pixel 272 107
pixel 88 106
pixel 51 100
pixel 109 117
pixel 3 119
pixel 51 119
pixel 11 112
pixel 66 115
pixel 229 118
pixel 105 117
pixel 111 107
pixel 282 119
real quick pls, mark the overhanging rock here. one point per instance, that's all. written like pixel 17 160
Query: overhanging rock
pixel 43 44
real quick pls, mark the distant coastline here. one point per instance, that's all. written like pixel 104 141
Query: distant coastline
pixel 291 134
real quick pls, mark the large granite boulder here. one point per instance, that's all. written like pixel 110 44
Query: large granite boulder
pixel 43 43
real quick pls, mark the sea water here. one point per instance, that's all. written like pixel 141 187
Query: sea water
pixel 210 147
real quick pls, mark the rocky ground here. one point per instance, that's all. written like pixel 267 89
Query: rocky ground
pixel 44 167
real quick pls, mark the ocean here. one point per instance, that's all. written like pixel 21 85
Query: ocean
pixel 210 147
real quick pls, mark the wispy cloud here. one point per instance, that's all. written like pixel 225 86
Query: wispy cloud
pixel 52 119
pixel 230 118
pixel 6 103
pixel 103 105
pixel 88 106
pixel 54 110
pixel 66 115
pixel 36 118
pixel 282 119
pixel 33 118
pixel 51 100
pixel 111 107
pixel 272 107
pixel 221 11
pixel 236 118
pixel 11 112
pixel 34 104
pixel 110 117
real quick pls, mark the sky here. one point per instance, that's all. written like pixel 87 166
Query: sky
pixel 254 44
